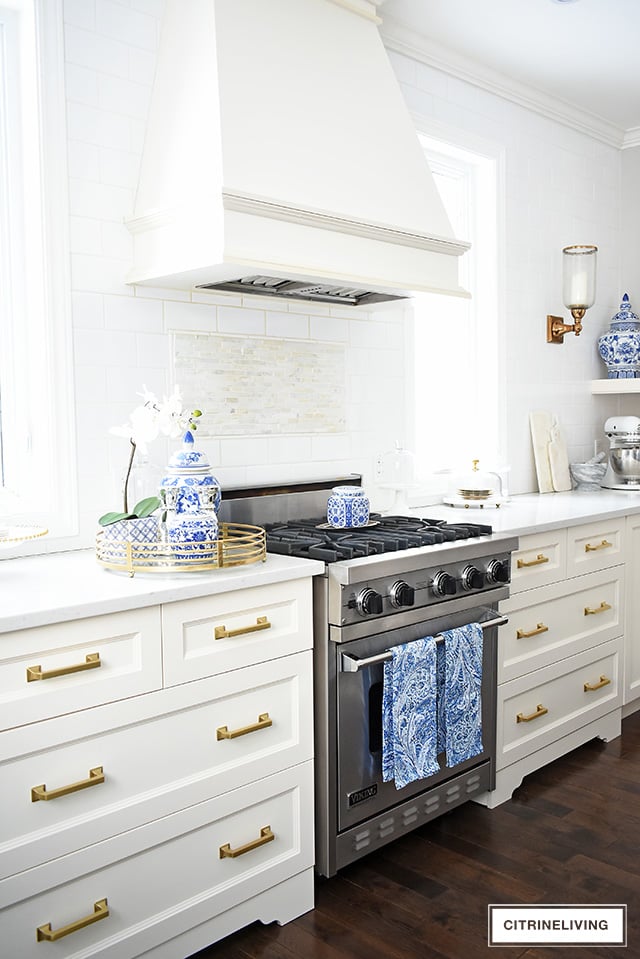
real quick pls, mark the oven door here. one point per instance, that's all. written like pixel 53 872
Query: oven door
pixel 361 790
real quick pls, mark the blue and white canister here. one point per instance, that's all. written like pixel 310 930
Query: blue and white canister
pixel 347 507
pixel 620 346
pixel 189 485
pixel 193 535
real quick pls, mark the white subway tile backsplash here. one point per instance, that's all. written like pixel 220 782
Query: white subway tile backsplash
pixel 329 328
pixel 287 324
pixel 124 96
pixel 81 84
pixel 190 316
pixel 130 26
pixel 247 451
pixel 83 160
pixel 99 200
pixel 99 274
pixel 96 126
pixel 159 293
pixel 133 313
pixel 85 235
pixel 117 242
pixel 80 13
pixel 154 350
pixel 87 310
pixel 234 320
pixel 95 51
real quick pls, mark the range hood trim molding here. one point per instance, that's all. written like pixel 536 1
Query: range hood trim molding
pixel 257 206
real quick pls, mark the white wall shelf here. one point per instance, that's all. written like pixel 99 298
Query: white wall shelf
pixel 615 386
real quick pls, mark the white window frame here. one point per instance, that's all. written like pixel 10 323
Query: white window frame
pixel 488 343
pixel 36 359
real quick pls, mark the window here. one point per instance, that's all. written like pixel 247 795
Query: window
pixel 36 423
pixel 455 349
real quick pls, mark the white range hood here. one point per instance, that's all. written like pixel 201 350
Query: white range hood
pixel 281 158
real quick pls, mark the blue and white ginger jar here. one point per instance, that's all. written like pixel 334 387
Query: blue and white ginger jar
pixel 620 346
pixel 189 485
pixel 347 507
pixel 193 535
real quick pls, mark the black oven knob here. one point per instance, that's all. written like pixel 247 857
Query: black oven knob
pixel 401 594
pixel 498 571
pixel 472 578
pixel 443 584
pixel 368 601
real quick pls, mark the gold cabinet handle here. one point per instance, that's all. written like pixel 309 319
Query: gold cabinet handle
pixel 540 711
pixel 538 561
pixel 605 544
pixel 100 911
pixel 540 628
pixel 223 732
pixel 92 661
pixel 226 852
pixel 602 608
pixel 96 776
pixel 589 687
pixel 221 632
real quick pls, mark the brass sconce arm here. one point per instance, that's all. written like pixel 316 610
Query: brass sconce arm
pixel 556 329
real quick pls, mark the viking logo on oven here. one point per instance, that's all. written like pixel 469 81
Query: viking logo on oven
pixel 361 795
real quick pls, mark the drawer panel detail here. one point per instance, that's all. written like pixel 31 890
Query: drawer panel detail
pixel 540 560
pixel 50 670
pixel 536 710
pixel 594 546
pixel 152 894
pixel 218 633
pixel 551 623
pixel 213 736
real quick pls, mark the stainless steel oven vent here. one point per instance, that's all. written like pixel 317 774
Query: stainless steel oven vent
pixel 298 290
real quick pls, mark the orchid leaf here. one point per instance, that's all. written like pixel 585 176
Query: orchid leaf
pixel 146 506
pixel 110 518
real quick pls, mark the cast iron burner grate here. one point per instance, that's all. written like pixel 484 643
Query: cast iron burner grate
pixel 384 534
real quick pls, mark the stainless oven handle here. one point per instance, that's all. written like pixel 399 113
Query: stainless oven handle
pixel 351 664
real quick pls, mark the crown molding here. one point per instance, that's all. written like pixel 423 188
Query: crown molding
pixel 631 138
pixel 401 40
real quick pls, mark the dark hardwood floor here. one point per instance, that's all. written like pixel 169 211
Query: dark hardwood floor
pixel 570 834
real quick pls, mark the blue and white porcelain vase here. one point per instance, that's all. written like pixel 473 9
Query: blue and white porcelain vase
pixel 189 485
pixel 192 535
pixel 347 507
pixel 620 346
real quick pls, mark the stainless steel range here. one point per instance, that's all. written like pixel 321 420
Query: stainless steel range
pixel 393 582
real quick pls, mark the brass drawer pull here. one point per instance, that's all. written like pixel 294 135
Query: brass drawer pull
pixel 221 632
pixel 100 911
pixel 96 776
pixel 540 711
pixel 540 628
pixel 92 661
pixel 602 608
pixel 226 852
pixel 589 687
pixel 222 732
pixel 605 544
pixel 540 558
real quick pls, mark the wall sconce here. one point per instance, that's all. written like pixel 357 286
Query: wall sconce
pixel 578 290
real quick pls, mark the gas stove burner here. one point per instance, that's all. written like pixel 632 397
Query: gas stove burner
pixel 315 539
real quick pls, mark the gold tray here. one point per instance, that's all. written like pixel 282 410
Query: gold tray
pixel 237 545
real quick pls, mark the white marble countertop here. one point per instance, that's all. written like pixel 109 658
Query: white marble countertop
pixel 58 587
pixel 536 512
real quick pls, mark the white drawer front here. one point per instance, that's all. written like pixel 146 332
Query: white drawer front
pixel 81 664
pixel 177 882
pixel 562 620
pixel 214 634
pixel 152 765
pixel 594 546
pixel 551 704
pixel 541 559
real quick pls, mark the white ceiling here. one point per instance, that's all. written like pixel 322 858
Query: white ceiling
pixel 586 53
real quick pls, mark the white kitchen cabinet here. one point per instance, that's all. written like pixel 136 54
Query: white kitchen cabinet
pixel 159 818
pixel 560 655
pixel 632 624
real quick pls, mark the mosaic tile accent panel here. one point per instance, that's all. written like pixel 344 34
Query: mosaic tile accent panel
pixel 262 385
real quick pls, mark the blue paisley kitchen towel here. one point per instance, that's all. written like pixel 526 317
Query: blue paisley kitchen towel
pixel 462 693
pixel 409 713
pixel 432 703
